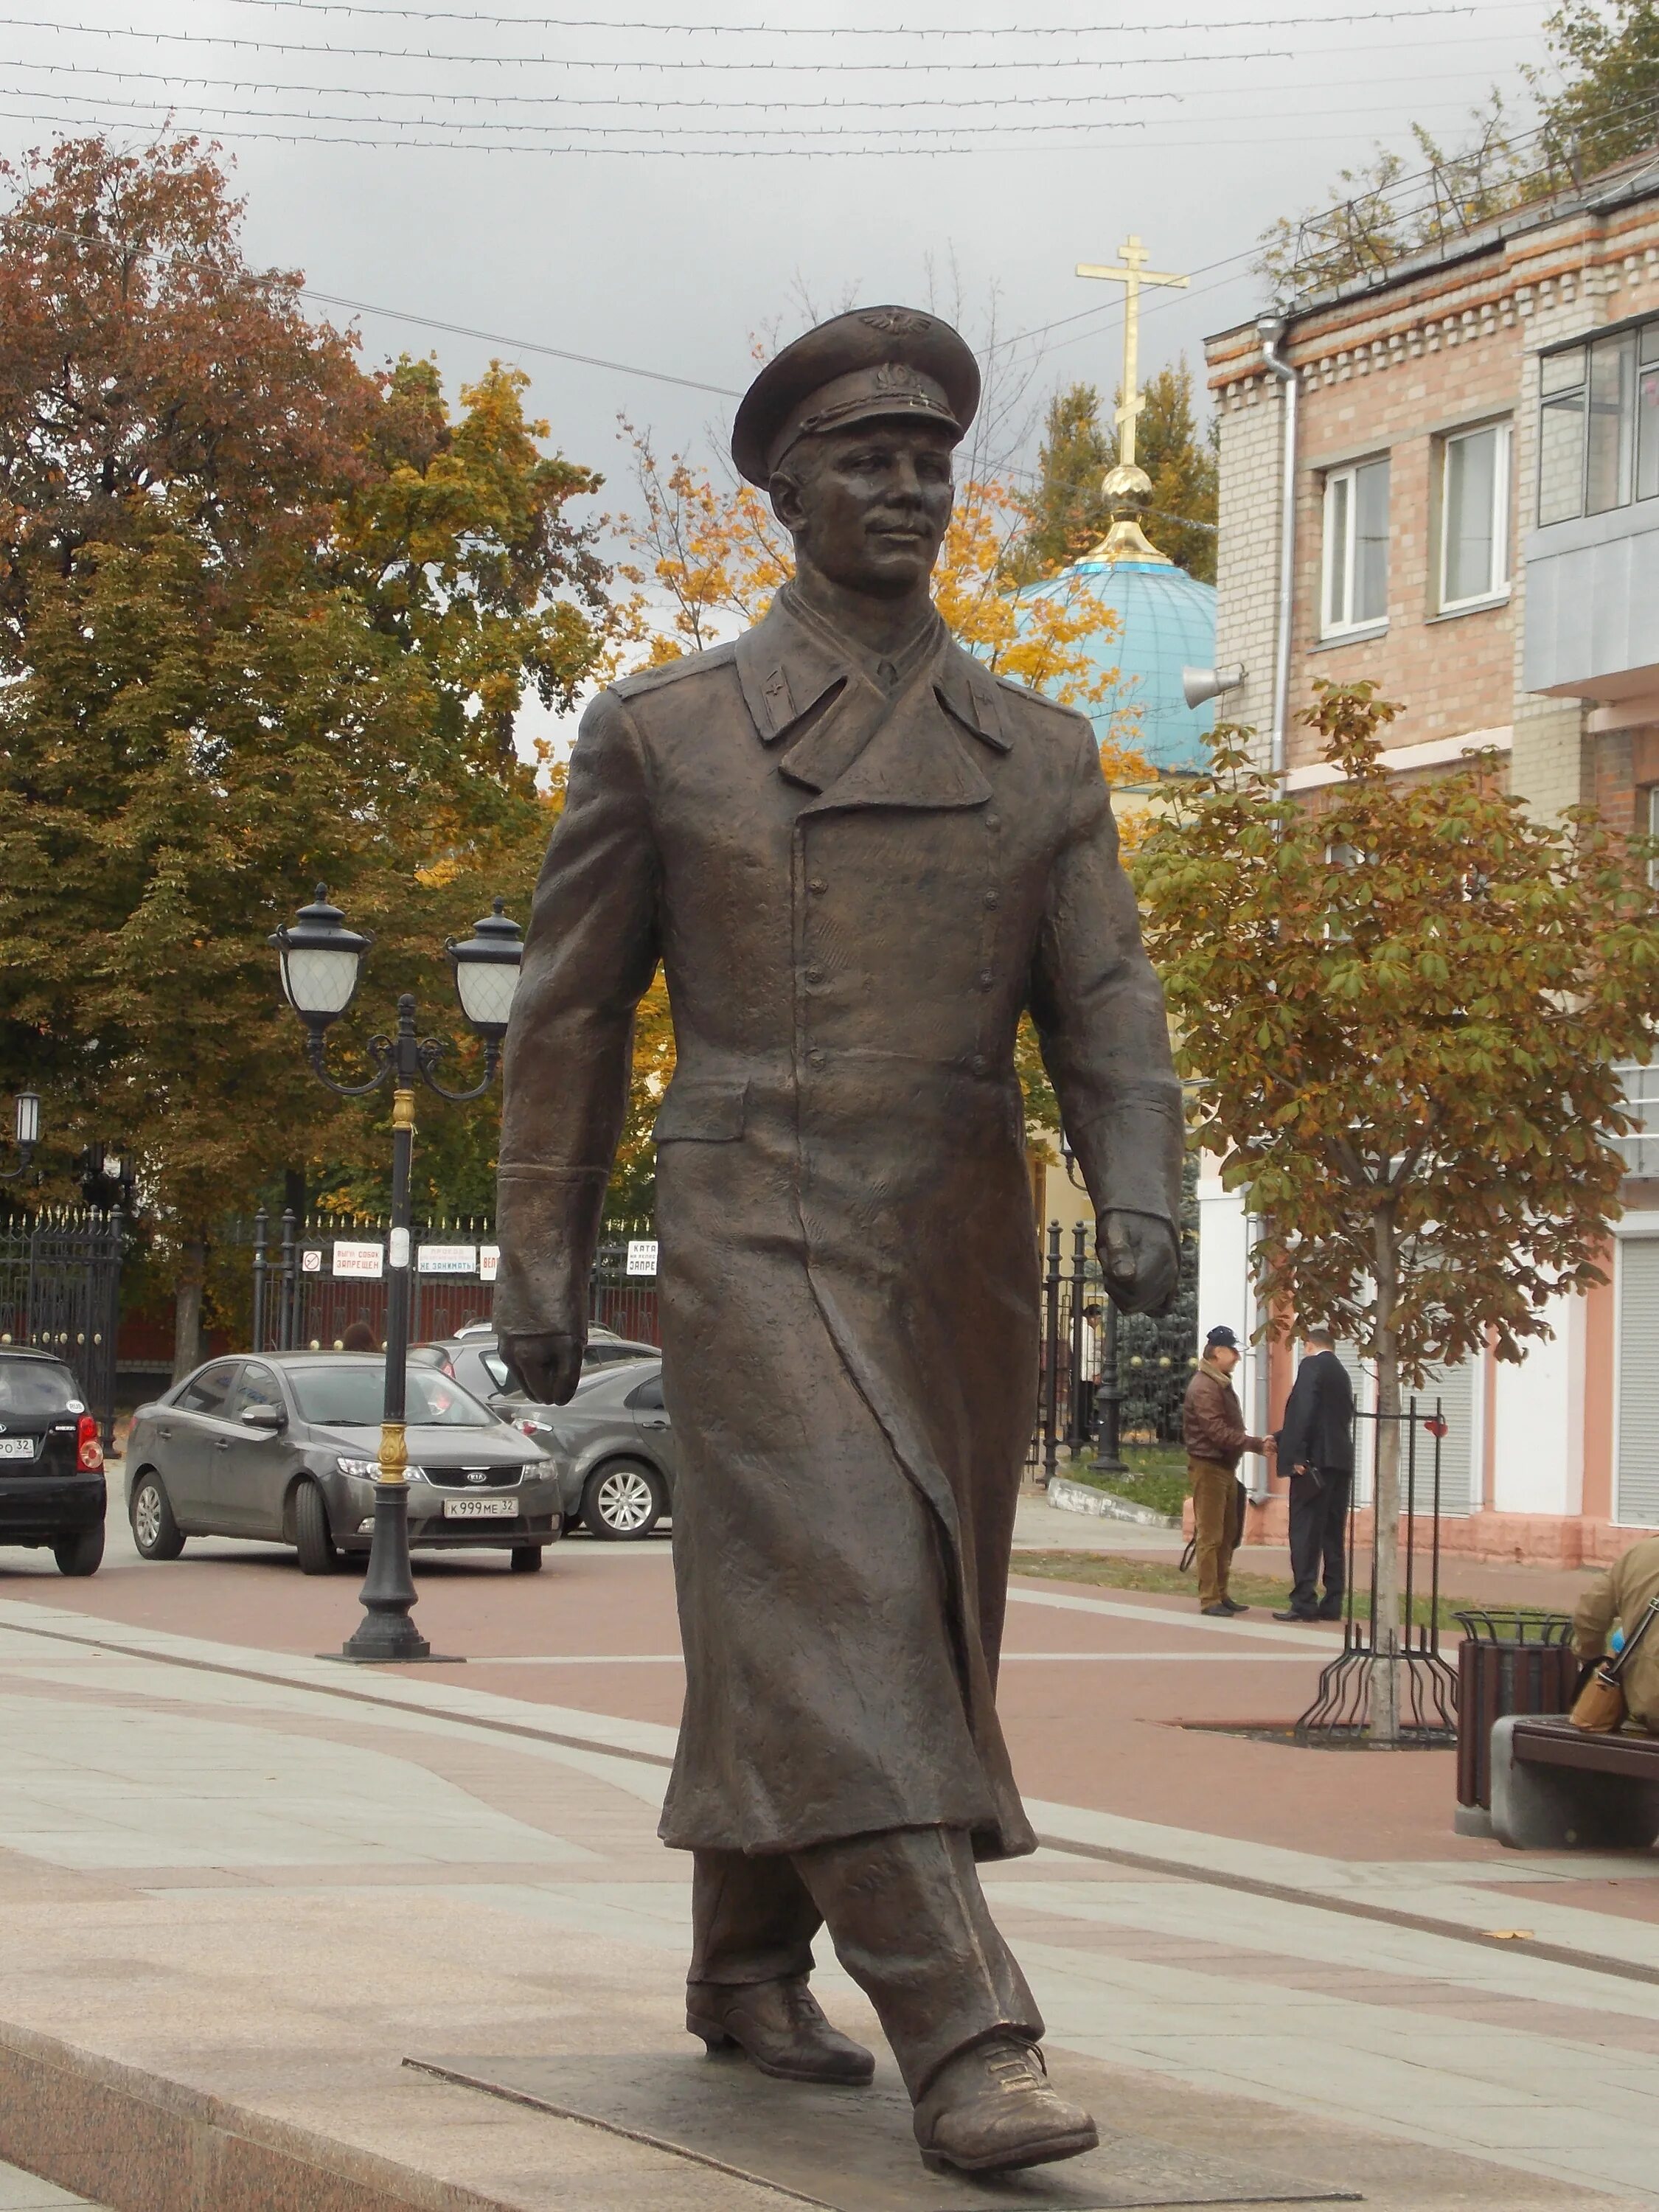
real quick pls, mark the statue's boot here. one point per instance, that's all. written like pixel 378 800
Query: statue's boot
pixel 780 2027
pixel 990 2108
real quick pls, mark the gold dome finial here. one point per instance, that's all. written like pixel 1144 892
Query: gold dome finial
pixel 1129 488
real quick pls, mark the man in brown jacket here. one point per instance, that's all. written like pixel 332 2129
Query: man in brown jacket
pixel 1213 1427
pixel 1624 1594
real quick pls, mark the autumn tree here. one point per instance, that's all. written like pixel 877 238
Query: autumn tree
pixel 1403 1013
pixel 264 621
pixel 1067 511
pixel 1603 108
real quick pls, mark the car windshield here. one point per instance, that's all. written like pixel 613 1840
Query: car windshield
pixel 351 1397
pixel 37 1386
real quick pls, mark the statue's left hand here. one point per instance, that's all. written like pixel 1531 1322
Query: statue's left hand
pixel 1140 1260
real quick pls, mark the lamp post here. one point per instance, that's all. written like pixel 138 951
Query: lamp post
pixel 1108 1397
pixel 320 960
pixel 26 1134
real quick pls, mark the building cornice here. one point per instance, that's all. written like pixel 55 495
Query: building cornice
pixel 1610 257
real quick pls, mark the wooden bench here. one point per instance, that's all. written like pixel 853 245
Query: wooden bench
pixel 1557 1788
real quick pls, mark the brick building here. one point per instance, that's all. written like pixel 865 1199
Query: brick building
pixel 1473 503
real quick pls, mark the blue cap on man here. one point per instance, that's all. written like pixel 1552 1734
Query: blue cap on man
pixel 1221 1340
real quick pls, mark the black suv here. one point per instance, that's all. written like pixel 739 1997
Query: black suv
pixel 52 1464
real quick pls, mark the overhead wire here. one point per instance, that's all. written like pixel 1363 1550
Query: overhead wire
pixel 614 63
pixel 617 65
pixel 190 79
pixel 874 30
pixel 671 150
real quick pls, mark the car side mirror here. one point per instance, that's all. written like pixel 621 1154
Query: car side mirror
pixel 267 1419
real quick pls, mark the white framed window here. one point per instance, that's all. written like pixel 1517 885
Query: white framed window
pixel 1475 516
pixel 1356 553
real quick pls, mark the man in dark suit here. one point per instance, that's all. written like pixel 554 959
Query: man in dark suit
pixel 1316 1446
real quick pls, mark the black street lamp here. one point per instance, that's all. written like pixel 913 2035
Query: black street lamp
pixel 1108 1395
pixel 320 960
pixel 25 1130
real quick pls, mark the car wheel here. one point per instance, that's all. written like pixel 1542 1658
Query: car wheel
pixel 80 1554
pixel 527 1559
pixel 313 1540
pixel 623 1501
pixel 155 1531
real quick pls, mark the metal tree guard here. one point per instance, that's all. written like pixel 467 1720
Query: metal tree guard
pixel 1428 1701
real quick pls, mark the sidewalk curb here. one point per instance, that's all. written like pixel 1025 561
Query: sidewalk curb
pixel 1103 1505
pixel 135 2142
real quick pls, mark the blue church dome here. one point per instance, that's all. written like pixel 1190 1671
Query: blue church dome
pixel 1166 623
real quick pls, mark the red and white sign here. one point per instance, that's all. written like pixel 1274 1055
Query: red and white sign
pixel 364 1262
pixel 490 1258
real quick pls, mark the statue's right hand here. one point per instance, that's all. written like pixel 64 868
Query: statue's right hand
pixel 546 1364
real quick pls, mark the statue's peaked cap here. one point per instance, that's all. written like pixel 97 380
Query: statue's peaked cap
pixel 875 362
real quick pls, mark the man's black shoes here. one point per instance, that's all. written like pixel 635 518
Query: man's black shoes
pixel 779 2028
pixel 1294 1615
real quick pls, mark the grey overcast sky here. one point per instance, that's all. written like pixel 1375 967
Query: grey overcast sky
pixel 626 187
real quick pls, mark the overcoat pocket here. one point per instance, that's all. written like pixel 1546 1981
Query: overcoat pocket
pixel 704 1113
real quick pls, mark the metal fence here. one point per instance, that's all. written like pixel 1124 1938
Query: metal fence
pixel 1089 1351
pixel 314 1276
pixel 60 1291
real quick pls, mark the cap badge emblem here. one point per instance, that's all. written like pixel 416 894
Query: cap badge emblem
pixel 895 323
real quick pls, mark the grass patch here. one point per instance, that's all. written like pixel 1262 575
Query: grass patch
pixel 1157 1477
pixel 1113 1570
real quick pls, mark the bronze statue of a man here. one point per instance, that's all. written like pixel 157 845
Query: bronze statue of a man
pixel 860 857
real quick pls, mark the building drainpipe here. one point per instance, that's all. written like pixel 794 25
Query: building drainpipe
pixel 1271 331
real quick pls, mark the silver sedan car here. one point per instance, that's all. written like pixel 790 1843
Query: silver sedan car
pixel 284 1448
pixel 613 1447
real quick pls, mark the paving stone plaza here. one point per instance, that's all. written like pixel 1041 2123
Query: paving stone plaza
pixel 243 1885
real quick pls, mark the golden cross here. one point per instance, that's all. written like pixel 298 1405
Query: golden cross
pixel 1132 275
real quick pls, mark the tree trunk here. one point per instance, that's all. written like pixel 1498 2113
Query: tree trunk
pixel 187 1308
pixel 1386 1625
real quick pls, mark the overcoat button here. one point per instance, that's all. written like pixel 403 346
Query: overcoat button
pixel 993 822
pixel 993 898
pixel 818 883
pixel 815 975
pixel 986 979
pixel 978 1063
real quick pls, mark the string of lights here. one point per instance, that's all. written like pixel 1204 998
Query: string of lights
pixel 153 112
pixel 189 80
pixel 616 64
pixel 186 81
pixel 737 152
pixel 999 31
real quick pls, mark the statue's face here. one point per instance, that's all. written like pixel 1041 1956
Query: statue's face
pixel 868 505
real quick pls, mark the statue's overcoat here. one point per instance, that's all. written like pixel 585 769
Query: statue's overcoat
pixel 856 880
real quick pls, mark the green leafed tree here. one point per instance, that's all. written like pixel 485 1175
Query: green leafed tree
pixel 264 621
pixel 1606 103
pixel 1066 509
pixel 1404 1012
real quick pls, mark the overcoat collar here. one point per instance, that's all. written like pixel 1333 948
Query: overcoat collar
pixel 844 735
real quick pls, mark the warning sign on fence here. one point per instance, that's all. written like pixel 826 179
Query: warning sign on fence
pixel 447 1259
pixel 641 1255
pixel 364 1262
pixel 489 1260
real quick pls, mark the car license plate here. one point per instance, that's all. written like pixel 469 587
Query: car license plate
pixel 481 1508
pixel 17 1447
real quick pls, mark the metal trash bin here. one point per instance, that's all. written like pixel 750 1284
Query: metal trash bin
pixel 1512 1660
